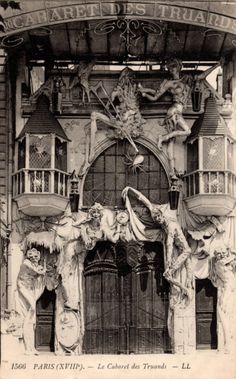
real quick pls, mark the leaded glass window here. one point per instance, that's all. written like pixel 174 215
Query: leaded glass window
pixel 112 171
pixel 40 152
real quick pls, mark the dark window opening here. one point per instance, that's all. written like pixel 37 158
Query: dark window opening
pixel 206 302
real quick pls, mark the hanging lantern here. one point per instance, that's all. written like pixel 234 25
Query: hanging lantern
pixel 173 193
pixel 74 192
pixel 196 96
pixel 57 95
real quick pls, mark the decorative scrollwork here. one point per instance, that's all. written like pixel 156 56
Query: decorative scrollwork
pixel 131 30
pixel 105 27
pixel 211 33
pixel 11 41
pixel 129 36
pixel 151 27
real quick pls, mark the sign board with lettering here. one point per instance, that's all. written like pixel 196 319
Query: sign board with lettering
pixel 49 15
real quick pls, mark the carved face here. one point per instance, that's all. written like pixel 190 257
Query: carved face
pixel 219 254
pixel 173 70
pixel 33 255
pixel 96 211
pixel 157 215
pixel 122 218
pixel 174 67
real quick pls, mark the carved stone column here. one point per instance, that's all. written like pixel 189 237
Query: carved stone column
pixel 181 321
pixel 184 327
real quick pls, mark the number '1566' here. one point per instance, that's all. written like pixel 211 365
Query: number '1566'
pixel 18 366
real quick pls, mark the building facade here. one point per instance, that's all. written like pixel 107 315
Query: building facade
pixel 118 177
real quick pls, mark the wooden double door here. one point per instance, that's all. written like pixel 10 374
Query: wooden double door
pixel 126 299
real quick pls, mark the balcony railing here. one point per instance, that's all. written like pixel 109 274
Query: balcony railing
pixel 210 182
pixel 40 181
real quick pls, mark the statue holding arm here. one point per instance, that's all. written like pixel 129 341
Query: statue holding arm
pixel 179 86
pixel 174 239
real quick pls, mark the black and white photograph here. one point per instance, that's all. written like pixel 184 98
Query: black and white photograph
pixel 118 189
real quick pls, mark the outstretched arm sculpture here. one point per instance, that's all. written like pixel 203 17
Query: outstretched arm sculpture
pixel 30 285
pixel 174 238
pixel 179 86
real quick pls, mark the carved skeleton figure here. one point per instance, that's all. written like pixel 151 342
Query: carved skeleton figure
pixel 179 87
pixel 127 121
pixel 174 239
pixel 30 286
pixel 223 276
pixel 127 109
pixel 83 71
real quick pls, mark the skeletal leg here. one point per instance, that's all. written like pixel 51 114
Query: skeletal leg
pixel 173 121
pixel 94 117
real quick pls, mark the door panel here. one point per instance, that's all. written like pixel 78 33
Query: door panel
pixel 45 311
pixel 151 310
pixel 206 300
pixel 126 300
pixel 101 301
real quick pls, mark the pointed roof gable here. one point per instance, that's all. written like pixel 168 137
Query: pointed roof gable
pixel 209 123
pixel 43 121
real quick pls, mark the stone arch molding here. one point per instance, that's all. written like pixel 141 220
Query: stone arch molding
pixel 41 14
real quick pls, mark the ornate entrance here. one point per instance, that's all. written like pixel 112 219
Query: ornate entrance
pixel 126 299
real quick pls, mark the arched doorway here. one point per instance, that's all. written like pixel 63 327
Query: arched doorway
pixel 126 299
pixel 126 296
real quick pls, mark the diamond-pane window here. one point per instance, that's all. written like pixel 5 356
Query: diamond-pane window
pixel 40 152
pixel 213 153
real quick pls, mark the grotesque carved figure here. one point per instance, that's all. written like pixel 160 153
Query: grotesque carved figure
pixel 83 71
pixel 30 286
pixel 126 122
pixel 96 226
pixel 99 224
pixel 175 240
pixel 179 87
pixel 223 276
pixel 91 230
pixel 128 115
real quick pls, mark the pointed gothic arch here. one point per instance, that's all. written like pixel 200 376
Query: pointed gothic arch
pixel 110 172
